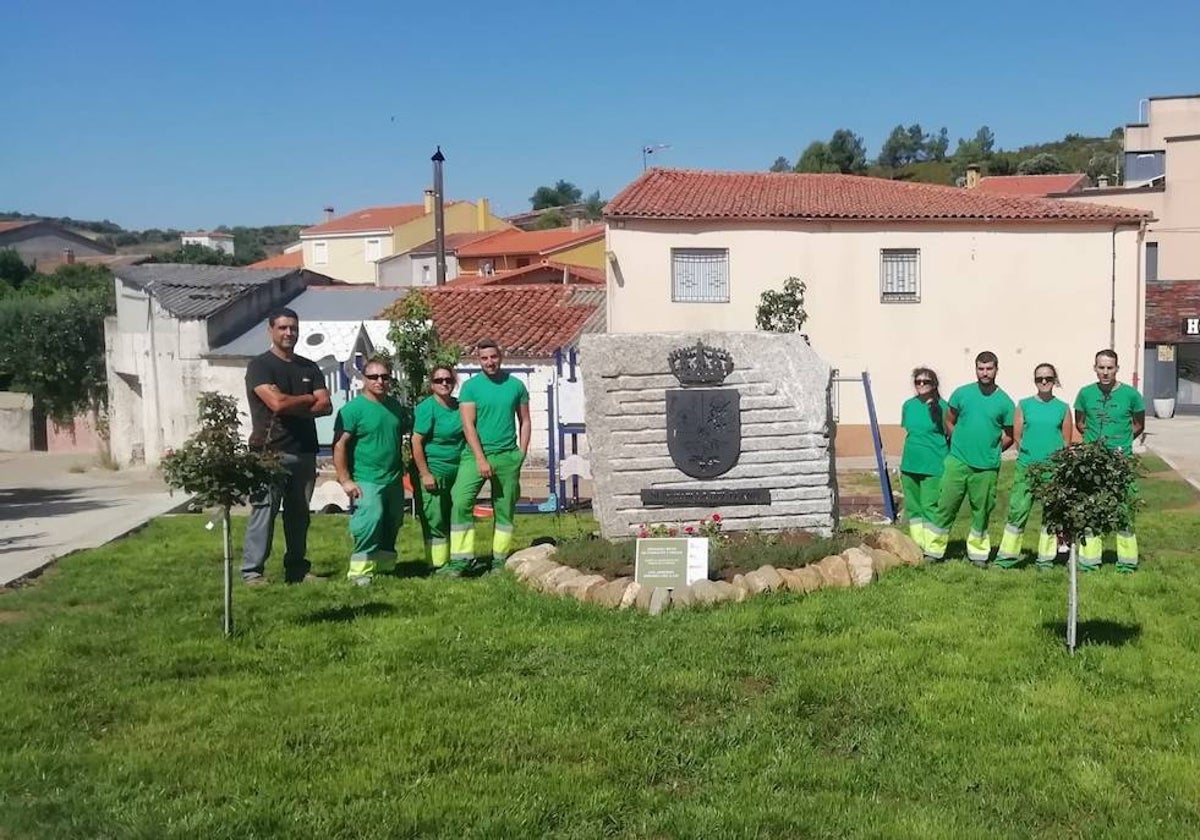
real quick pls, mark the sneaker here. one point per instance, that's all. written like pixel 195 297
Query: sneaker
pixel 308 578
pixel 1126 568
pixel 1089 567
pixel 361 580
pixel 1044 566
pixel 980 564
pixel 254 580
pixel 1006 563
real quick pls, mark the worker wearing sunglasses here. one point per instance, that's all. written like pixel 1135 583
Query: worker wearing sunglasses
pixel 369 461
pixel 437 447
pixel 1042 426
pixel 924 460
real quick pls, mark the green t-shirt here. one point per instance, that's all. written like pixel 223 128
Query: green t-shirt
pixel 496 402
pixel 1109 417
pixel 1041 429
pixel 441 434
pixel 925 444
pixel 377 429
pixel 981 420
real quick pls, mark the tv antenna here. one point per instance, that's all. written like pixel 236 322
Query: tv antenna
pixel 651 149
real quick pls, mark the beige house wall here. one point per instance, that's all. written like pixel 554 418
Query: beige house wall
pixel 348 256
pixel 1168 117
pixel 1029 293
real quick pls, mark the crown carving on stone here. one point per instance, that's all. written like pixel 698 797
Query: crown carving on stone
pixel 700 364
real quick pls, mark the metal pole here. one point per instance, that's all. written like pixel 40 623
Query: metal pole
pixel 227 539
pixel 885 480
pixel 439 215
pixel 1072 599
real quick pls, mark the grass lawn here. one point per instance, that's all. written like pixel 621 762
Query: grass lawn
pixel 939 702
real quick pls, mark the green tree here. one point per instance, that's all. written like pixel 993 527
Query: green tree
pixel 13 270
pixel 549 219
pixel 418 348
pixel 895 152
pixel 816 158
pixel 781 164
pixel 1103 164
pixel 593 207
pixel 194 254
pixel 847 152
pixel 220 470
pixel 560 195
pixel 782 311
pixel 1041 164
pixel 936 147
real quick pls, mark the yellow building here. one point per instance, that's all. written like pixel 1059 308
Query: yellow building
pixel 515 249
pixel 346 248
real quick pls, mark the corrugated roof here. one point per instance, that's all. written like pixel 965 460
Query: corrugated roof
pixel 697 194
pixel 13 225
pixel 197 291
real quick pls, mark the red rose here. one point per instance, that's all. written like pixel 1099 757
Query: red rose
pixel 689 530
pixel 643 533
pixel 716 517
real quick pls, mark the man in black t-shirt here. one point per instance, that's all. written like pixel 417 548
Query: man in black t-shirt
pixel 286 393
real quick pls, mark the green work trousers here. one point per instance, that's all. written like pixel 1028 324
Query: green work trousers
pixel 920 504
pixel 378 515
pixel 506 491
pixel 979 487
pixel 433 511
pixel 1020 505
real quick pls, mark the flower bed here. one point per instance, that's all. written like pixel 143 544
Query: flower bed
pixel 600 572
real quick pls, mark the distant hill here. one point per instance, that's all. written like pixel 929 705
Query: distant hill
pixel 251 243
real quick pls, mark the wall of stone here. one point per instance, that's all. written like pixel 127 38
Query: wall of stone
pixel 784 390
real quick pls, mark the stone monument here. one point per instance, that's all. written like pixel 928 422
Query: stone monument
pixel 682 425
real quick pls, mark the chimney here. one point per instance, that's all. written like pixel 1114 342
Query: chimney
pixel 328 211
pixel 68 256
pixel 973 176
pixel 482 211
pixel 430 197
pixel 576 223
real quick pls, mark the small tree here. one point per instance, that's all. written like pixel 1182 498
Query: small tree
pixel 217 467
pixel 782 311
pixel 1086 491
pixel 418 348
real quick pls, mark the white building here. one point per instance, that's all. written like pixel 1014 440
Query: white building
pixel 215 239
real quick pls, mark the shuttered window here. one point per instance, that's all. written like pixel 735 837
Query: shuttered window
pixel 700 275
pixel 900 275
pixel 320 252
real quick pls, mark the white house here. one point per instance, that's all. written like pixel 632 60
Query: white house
pixel 215 239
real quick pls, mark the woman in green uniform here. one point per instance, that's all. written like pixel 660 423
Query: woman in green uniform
pixel 923 420
pixel 437 445
pixel 1042 427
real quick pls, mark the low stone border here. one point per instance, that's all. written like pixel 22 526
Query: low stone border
pixel 858 566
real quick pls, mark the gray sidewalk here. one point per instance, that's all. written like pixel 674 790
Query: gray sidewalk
pixel 52 505
pixel 1177 441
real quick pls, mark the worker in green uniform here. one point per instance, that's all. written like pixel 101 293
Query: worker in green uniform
pixel 494 406
pixel 437 447
pixel 370 467
pixel 923 419
pixel 980 422
pixel 1042 427
pixel 1112 412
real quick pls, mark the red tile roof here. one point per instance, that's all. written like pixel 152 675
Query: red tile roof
pixel 693 194
pixel 527 321
pixel 370 218
pixel 454 241
pixel 511 242
pixel 6 226
pixel 293 260
pixel 539 274
pixel 1035 185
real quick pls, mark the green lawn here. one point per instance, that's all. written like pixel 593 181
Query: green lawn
pixel 938 702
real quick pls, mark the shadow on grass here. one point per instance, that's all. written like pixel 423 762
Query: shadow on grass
pixel 1097 632
pixel 348 613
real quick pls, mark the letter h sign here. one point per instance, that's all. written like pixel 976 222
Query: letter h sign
pixel 1191 326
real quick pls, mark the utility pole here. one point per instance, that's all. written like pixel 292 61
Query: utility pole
pixel 439 215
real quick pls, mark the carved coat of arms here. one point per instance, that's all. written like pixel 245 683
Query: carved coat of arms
pixel 704 425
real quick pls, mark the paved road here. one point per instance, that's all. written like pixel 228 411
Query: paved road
pixel 1177 441
pixel 52 505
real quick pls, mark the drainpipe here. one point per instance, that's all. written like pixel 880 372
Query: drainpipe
pixel 1112 309
pixel 1139 326
pixel 158 432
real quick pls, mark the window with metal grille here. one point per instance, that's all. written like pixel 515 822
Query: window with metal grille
pixel 900 275
pixel 700 275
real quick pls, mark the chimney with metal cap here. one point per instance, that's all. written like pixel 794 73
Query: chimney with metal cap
pixel 328 211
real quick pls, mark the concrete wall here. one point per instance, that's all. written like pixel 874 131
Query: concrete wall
pixel 1029 293
pixel 409 270
pixel 80 435
pixel 16 422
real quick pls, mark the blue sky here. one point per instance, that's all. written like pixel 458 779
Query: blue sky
pixel 258 112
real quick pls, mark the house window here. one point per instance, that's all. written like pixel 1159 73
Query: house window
pixel 1151 262
pixel 425 280
pixel 900 275
pixel 373 251
pixel 320 253
pixel 700 275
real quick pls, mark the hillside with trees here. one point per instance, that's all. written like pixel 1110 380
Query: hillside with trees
pixel 910 153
